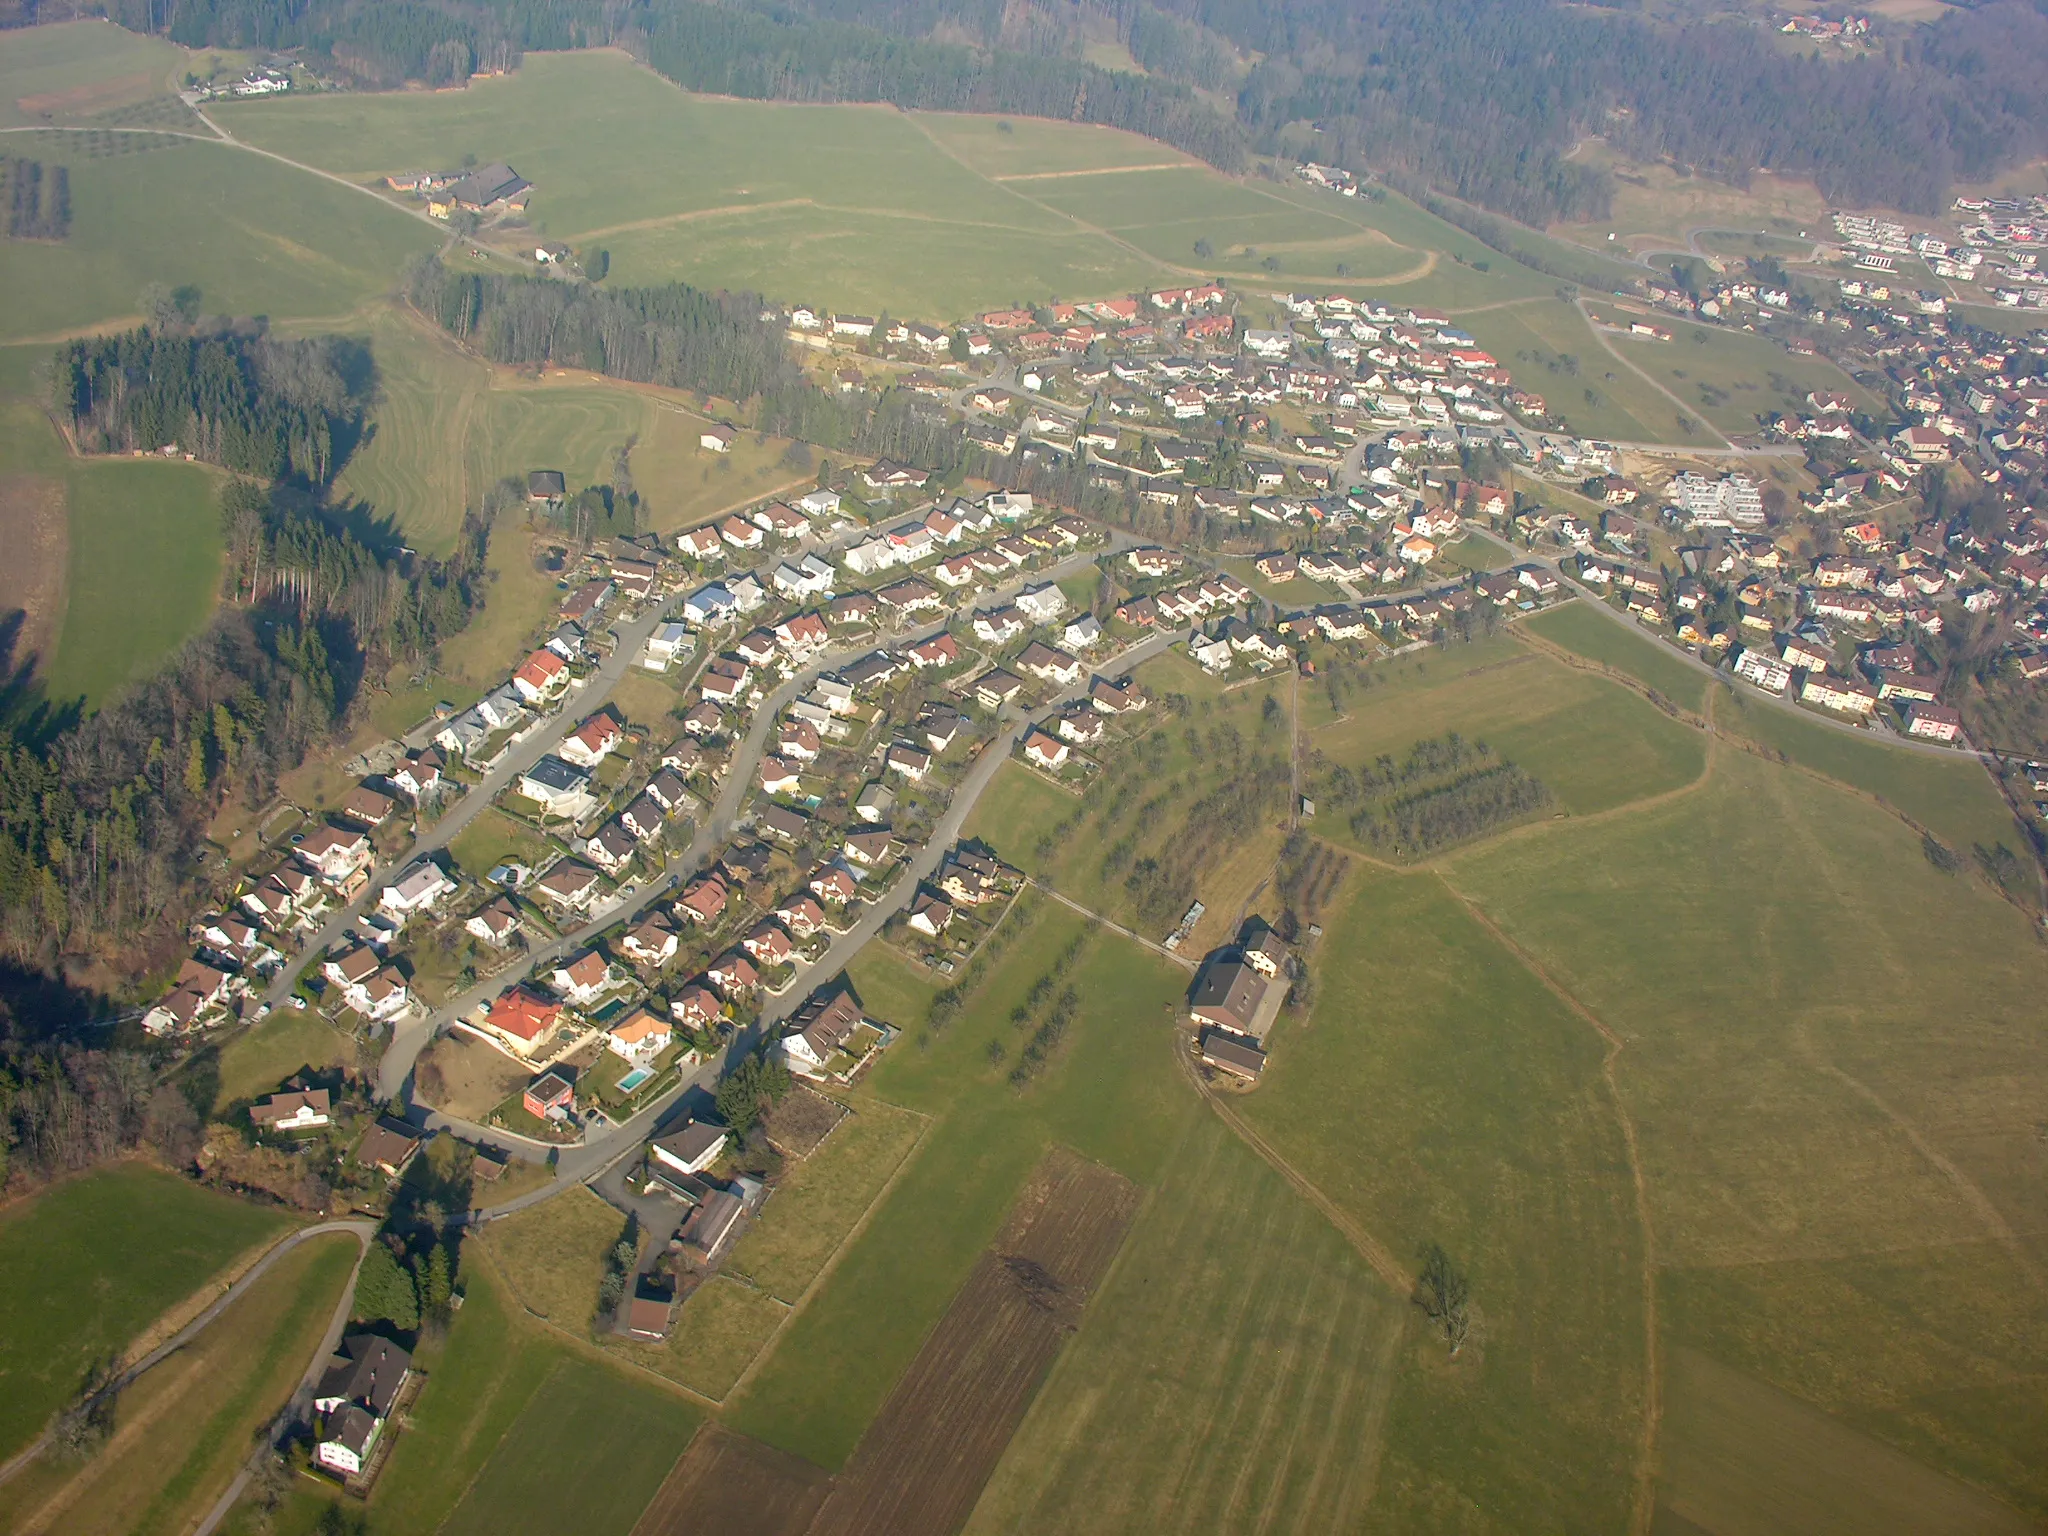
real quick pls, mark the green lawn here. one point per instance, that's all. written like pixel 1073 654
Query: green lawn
pixel 1440 1094
pixel 719 1329
pixel 1231 1375
pixel 587 1453
pixel 1595 744
pixel 255 237
pixel 1834 1063
pixel 1578 628
pixel 553 1255
pixel 145 572
pixel 492 839
pixel 258 1060
pixel 1110 1093
pixel 75 1295
pixel 1037 146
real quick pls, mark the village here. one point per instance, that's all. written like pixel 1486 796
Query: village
pixel 678 898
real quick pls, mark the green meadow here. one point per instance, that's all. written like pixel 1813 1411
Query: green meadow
pixel 1439 1094
pixel 80 70
pixel 1829 1050
pixel 865 207
pixel 1551 351
pixel 74 1297
pixel 1731 379
pixel 253 236
pixel 1233 1374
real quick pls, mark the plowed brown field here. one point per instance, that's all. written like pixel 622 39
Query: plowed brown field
pixel 922 1463
pixel 735 1486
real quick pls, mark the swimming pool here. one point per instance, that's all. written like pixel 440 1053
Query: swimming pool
pixel 634 1079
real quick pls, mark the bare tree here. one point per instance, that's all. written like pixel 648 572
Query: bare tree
pixel 1445 1296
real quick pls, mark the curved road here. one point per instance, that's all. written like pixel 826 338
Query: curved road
pixel 1738 685
pixel 362 1232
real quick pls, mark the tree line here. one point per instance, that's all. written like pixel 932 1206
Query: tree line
pixel 247 402
pixel 102 825
pixel 674 334
pixel 1445 790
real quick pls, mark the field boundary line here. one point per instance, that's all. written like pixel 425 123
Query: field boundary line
pixel 1094 170
pixel 1371 1249
pixel 1114 927
pixel 589 1348
pixel 1764 752
pixel 1980 1205
pixel 1644 1506
pixel 831 1264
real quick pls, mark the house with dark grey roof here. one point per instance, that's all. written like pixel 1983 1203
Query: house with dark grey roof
pixel 1229 993
pixel 487 185
pixel 353 1399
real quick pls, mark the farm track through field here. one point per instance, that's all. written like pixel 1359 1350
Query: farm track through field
pixel 1980 1205
pixel 1644 1505
pixel 1369 1248
pixel 1097 170
pixel 1114 927
pixel 1422 268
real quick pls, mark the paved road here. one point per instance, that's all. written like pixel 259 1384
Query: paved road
pixel 1747 689
pixel 299 1410
pixel 395 1070
pixel 543 738
pixel 361 1230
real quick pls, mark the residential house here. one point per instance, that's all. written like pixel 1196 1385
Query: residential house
pixel 541 676
pixel 582 980
pixel 551 1096
pixel 1936 722
pixel 571 885
pixel 591 742
pixel 354 1398
pixel 930 913
pixel 558 788
pixel 417 891
pixel 689 1150
pixel 1043 751
pixel 495 923
pixel 653 943
pixel 335 855
pixel 639 1036
pixel 388 1146
pixel 820 1030
pixel 298 1110
pixel 521 1019
pixel 703 899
